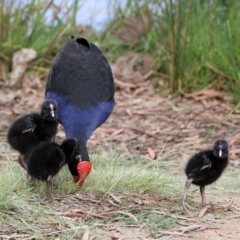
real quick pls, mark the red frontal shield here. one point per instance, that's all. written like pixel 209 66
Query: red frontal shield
pixel 83 168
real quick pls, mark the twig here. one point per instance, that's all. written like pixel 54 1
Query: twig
pixel 174 233
pixel 141 131
pixel 223 235
pixel 128 214
pixel 78 212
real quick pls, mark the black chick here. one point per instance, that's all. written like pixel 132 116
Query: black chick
pixel 47 159
pixel 31 129
pixel 82 84
pixel 205 168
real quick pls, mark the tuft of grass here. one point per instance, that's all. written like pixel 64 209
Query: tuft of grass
pixel 111 172
pixel 196 43
pixel 42 25
pixel 15 202
pixel 152 220
pixel 24 210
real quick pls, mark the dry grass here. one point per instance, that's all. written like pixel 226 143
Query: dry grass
pixel 106 194
pixel 127 191
pixel 120 198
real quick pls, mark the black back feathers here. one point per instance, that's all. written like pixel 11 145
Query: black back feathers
pixel 81 74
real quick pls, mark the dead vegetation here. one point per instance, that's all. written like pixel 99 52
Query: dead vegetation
pixel 144 123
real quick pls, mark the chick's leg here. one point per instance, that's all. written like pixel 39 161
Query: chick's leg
pixel 22 161
pixel 202 191
pixel 49 187
pixel 184 204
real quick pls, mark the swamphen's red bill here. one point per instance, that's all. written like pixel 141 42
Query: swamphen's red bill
pixel 83 169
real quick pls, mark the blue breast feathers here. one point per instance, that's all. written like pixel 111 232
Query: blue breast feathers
pixel 80 123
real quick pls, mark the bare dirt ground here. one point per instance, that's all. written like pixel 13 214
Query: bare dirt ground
pixel 153 125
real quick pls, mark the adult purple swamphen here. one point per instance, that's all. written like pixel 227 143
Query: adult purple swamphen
pixel 81 82
pixel 205 168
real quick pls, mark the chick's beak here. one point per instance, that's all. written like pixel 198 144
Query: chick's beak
pixel 83 168
pixel 52 113
pixel 51 110
pixel 220 151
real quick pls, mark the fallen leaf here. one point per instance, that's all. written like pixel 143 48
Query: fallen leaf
pixel 86 234
pixel 151 153
pixel 128 214
pixel 114 197
pixel 205 94
pixel 203 211
pixel 204 227
pixel 115 237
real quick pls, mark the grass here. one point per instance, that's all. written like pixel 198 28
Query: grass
pixel 17 211
pixel 23 207
pixel 116 174
pixel 112 173
pixel 152 220
pixel 195 43
pixel 24 210
pixel 42 25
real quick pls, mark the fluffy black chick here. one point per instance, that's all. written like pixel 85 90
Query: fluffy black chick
pixel 47 159
pixel 205 168
pixel 31 129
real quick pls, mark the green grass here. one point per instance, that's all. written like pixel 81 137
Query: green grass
pixel 112 173
pixel 115 174
pixel 18 211
pixel 23 207
pixel 196 43
pixel 152 220
pixel 41 25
